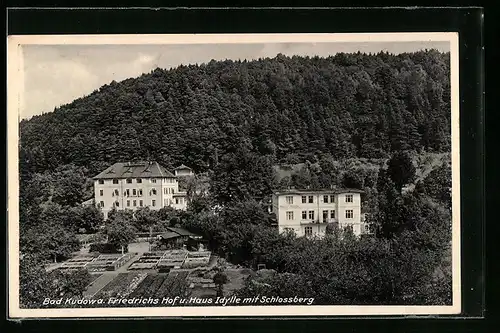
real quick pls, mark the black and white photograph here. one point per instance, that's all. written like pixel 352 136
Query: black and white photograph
pixel 233 175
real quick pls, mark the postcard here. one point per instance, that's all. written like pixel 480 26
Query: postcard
pixel 229 175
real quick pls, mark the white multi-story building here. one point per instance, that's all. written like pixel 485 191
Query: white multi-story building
pixel 308 212
pixel 132 185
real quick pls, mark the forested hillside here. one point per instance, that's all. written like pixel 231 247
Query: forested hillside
pixel 380 123
pixel 290 109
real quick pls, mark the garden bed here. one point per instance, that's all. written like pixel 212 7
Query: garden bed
pixel 197 259
pixel 77 262
pixel 162 285
pixel 148 260
pixel 109 262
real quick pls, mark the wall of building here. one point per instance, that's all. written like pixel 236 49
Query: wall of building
pixel 290 214
pixel 180 201
pixel 154 193
pixel 183 172
pixel 355 207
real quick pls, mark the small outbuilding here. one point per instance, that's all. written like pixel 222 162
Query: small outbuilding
pixel 175 238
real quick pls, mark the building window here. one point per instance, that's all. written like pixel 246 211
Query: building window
pixel 129 181
pixel 153 191
pixel 101 204
pixel 139 180
pixel 348 214
pixel 325 199
pixel 165 191
pixel 117 204
pixel 332 214
pixel 115 181
pixel 153 203
pixel 308 231
pixel 117 193
pixel 165 202
pixel 332 198
pixel 304 199
pixel 134 192
pixel 289 215
pixel 311 199
pixel 101 193
pixel 153 180
pixel 135 203
pixel 325 215
pixel 348 198
pixel 173 191
pixel 101 181
pixel 140 203
pixel 127 192
pixel 176 201
pixel 304 215
pixel 128 203
pixel 140 192
pixel 311 215
pixel 289 200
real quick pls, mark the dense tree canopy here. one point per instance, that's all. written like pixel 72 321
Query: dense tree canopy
pixel 287 108
pixel 349 120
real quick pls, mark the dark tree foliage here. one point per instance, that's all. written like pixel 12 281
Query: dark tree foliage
pixel 340 117
pixel 401 169
pixel 35 284
pixel 437 184
pixel 71 284
pixel 49 238
pixel 290 109
pixel 120 228
pixel 243 175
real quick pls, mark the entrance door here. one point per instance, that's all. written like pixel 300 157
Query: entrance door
pixel 325 216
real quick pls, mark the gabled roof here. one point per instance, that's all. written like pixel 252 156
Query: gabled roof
pixel 182 231
pixel 169 235
pixel 183 167
pixel 135 170
pixel 331 191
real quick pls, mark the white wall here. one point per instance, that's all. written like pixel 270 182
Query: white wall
pixel 165 189
pixel 298 224
pixel 183 172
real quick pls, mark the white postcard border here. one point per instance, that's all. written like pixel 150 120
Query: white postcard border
pixel 15 83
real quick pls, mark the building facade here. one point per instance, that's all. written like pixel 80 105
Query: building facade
pixel 133 185
pixel 308 213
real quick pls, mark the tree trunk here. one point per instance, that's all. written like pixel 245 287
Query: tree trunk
pixel 122 249
pixel 220 290
pixel 55 259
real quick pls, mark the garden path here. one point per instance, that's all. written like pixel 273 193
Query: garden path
pixel 98 284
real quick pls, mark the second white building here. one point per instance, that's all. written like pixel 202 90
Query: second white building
pixel 308 213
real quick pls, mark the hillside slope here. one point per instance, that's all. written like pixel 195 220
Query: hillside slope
pixel 290 108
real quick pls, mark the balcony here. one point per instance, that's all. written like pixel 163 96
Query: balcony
pixel 318 221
